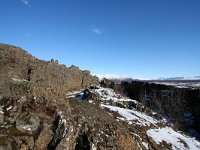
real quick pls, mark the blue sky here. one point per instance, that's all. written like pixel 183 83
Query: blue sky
pixel 138 38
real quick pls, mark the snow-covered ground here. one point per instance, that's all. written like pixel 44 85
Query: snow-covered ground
pixel 132 116
pixel 177 140
pixel 109 94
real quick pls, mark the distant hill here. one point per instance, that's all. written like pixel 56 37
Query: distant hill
pixel 180 78
pixel 118 79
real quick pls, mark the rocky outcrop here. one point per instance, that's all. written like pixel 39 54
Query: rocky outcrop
pixel 38 123
pixel 44 78
pixel 35 112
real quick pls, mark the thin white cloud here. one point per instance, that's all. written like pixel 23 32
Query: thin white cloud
pixel 96 30
pixel 26 2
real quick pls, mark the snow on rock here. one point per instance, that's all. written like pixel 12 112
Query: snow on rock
pixel 28 128
pixel 9 108
pixel 19 80
pixel 132 115
pixel 109 94
pixel 145 145
pixel 176 139
pixel 77 94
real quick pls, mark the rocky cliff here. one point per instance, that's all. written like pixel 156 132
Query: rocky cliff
pixel 44 78
pixel 36 113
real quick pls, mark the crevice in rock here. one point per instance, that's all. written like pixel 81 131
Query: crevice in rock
pixel 82 142
pixel 82 82
pixel 30 71
pixel 59 132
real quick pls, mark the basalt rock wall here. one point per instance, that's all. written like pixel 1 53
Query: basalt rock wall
pixel 40 77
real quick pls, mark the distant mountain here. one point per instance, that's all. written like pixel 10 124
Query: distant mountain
pixel 180 78
pixel 194 78
pixel 118 78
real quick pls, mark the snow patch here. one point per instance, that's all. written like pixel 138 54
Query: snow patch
pixel 28 128
pixel 109 94
pixel 132 115
pixel 9 108
pixel 146 145
pixel 19 80
pixel 90 101
pixel 75 94
pixel 177 140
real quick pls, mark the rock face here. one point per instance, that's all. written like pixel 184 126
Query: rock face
pixel 36 113
pixel 44 78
